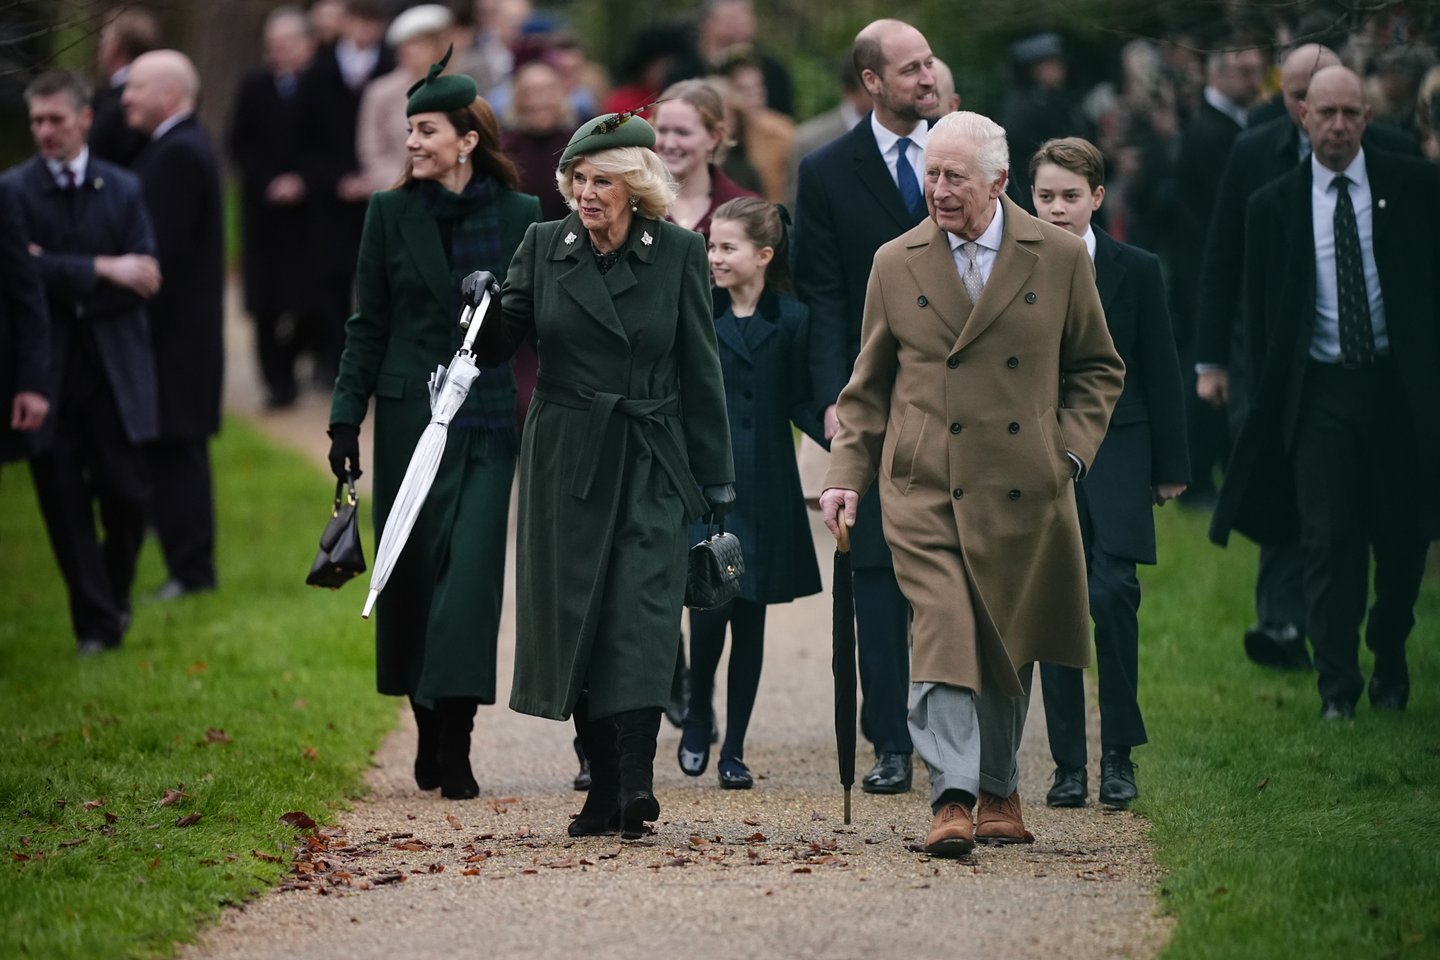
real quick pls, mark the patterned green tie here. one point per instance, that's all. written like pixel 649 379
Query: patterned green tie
pixel 1357 338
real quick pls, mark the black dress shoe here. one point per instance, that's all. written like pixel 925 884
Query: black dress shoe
pixel 90 646
pixel 694 750
pixel 891 774
pixel 1117 779
pixel 1337 710
pixel 1281 648
pixel 1386 694
pixel 582 779
pixel 734 775
pixel 1070 788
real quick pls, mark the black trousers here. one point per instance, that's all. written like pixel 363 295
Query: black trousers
pixel 277 346
pixel 1356 479
pixel 92 464
pixel 1114 606
pixel 882 636
pixel 182 509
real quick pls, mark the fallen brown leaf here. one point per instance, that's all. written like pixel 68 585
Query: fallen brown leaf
pixel 196 668
pixel 19 857
pixel 310 753
pixel 73 843
pixel 411 845
pixel 802 870
pixel 154 863
pixel 110 817
pixel 751 821
pixel 454 822
pixel 268 858
pixel 92 804
pixel 1264 782
pixel 298 819
pixel 173 797
pixel 189 820
pixel 472 872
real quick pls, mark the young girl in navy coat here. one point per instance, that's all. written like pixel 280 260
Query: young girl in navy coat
pixel 762 334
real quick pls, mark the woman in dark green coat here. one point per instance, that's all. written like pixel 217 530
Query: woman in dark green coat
pixel 626 442
pixel 454 211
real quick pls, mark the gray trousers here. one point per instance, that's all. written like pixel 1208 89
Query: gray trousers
pixel 969 743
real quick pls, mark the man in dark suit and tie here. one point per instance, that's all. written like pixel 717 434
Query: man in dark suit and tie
pixel 855 195
pixel 181 180
pixel 25 374
pixel 1259 155
pixel 92 245
pixel 1341 295
pixel 264 134
pixel 1142 462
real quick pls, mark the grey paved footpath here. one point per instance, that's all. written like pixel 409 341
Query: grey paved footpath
pixel 771 872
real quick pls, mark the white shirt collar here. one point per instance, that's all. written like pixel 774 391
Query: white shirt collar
pixel 120 77
pixel 79 165
pixel 1226 106
pixel 886 139
pixel 1090 242
pixel 992 236
pixel 1325 177
pixel 168 124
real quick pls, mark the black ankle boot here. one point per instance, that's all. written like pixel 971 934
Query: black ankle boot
pixel 637 732
pixel 600 816
pixel 457 719
pixel 427 747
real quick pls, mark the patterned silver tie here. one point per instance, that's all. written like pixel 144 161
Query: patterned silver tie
pixel 971 277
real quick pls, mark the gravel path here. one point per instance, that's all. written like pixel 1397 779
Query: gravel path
pixel 766 873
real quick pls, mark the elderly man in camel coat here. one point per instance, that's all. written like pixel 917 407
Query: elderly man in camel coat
pixel 984 386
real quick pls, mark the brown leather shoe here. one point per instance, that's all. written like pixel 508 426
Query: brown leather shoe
pixel 997 820
pixel 952 832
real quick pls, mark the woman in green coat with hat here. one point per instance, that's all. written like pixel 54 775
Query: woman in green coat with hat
pixel 455 210
pixel 626 442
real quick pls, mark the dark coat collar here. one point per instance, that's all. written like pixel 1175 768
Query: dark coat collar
pixel 1109 268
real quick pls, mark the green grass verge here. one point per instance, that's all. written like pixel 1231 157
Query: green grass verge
pixel 284 670
pixel 1282 836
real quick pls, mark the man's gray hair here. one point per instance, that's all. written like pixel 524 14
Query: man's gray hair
pixel 992 153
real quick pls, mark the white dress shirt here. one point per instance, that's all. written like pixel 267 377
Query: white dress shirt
pixel 356 65
pixel 76 166
pixel 1227 106
pixel 1089 239
pixel 1325 342
pixel 889 144
pixel 987 247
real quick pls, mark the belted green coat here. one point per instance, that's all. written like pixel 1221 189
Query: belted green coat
pixel 627 424
pixel 437 621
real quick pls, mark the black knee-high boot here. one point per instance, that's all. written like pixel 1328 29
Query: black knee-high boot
pixel 638 730
pixel 457 719
pixel 427 747
pixel 600 816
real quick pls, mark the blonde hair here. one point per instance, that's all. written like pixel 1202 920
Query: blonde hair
pixel 644 175
pixel 709 99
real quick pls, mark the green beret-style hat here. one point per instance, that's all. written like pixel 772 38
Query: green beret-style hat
pixel 627 129
pixel 434 93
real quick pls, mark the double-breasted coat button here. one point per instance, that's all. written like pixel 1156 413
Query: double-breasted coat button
pixel 955 428
pixel 1030 297
pixel 1013 362
pixel 1014 494
pixel 957 493
pixel 1014 427
pixel 921 301
pixel 953 362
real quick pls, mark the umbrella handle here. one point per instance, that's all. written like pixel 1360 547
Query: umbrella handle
pixel 842 539
pixel 476 318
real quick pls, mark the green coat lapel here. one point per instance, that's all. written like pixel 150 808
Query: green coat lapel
pixel 578 275
pixel 422 242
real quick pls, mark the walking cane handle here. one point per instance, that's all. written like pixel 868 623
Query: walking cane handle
pixel 842 539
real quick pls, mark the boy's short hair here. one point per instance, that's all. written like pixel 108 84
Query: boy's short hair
pixel 1075 154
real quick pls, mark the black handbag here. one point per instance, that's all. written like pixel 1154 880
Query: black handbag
pixel 712 577
pixel 341 556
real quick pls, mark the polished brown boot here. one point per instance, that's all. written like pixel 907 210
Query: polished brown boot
pixel 427 747
pixel 637 732
pixel 457 719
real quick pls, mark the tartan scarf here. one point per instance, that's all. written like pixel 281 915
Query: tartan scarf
pixel 470 224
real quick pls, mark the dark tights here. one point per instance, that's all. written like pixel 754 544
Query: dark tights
pixel 746 620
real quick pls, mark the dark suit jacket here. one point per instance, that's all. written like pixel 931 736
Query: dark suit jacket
pixel 1258 497
pixel 1206 139
pixel 1145 444
pixel 181 178
pixel 264 143
pixel 111 138
pixel 1259 155
pixel 24 326
pixel 106 216
pixel 767 387
pixel 848 206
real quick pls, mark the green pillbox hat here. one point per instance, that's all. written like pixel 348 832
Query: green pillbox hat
pixel 437 94
pixel 607 132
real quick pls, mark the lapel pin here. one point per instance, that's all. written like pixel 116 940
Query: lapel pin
pixel 1030 297
pixel 1382 203
pixel 922 301
pixel 646 239
pixel 100 183
pixel 569 238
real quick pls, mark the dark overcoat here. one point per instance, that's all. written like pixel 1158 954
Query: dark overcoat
pixel 437 620
pixel 1258 496
pixel 767 387
pixel 105 216
pixel 181 179
pixel 24 326
pixel 1145 445
pixel 627 424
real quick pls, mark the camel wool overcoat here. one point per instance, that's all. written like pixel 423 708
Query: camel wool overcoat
pixel 966 416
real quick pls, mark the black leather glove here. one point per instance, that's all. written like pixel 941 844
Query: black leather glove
pixel 345 446
pixel 719 496
pixel 473 287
